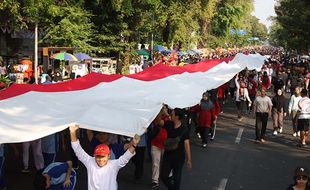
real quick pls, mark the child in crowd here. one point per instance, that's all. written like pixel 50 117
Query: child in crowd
pixel 101 171
pixel 56 176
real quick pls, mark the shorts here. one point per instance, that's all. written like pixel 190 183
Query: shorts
pixel 303 125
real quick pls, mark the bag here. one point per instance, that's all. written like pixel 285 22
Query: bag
pixel 173 143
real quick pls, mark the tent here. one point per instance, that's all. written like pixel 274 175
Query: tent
pixel 143 52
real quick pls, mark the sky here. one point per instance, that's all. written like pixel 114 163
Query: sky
pixel 263 10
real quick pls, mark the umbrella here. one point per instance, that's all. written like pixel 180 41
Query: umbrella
pixel 64 56
pixel 82 56
pixel 166 52
pixel 159 48
pixel 143 52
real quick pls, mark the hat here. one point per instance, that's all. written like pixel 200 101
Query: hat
pixel 101 150
pixel 301 171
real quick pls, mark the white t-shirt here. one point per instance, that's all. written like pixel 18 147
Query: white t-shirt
pixel 101 178
pixel 293 104
pixel 304 108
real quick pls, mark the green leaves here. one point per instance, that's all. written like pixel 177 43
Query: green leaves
pixel 292 22
pixel 115 27
pixel 10 15
pixel 69 27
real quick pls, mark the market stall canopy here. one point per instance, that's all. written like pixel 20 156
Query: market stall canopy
pixel 197 51
pixel 143 52
pixel 166 52
pixel 181 53
pixel 191 52
pixel 159 48
pixel 64 56
pixel 82 56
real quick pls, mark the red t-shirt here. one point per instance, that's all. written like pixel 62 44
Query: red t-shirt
pixel 160 138
pixel 252 87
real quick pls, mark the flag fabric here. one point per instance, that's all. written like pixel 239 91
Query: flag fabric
pixel 117 104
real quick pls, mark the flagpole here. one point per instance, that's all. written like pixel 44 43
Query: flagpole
pixel 36 53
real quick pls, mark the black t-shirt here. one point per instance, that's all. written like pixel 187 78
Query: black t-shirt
pixel 182 132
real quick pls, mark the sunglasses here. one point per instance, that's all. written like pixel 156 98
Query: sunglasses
pixel 302 177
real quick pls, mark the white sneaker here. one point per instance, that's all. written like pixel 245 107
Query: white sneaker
pixel 204 145
pixel 198 135
pixel 298 133
pixel 275 132
pixel 281 129
pixel 294 134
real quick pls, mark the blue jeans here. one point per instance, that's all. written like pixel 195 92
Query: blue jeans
pixel 48 158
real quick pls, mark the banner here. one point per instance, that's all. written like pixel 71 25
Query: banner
pixel 112 103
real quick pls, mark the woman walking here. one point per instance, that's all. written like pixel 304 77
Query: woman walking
pixel 278 112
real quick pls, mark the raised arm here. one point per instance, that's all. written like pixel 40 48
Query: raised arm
pixel 124 159
pixel 237 82
pixel 76 146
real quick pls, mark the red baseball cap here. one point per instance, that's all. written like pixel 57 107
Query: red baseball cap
pixel 101 150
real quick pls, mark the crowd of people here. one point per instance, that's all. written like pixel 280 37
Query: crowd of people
pixel 167 139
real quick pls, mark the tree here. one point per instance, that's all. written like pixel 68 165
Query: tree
pixel 10 15
pixel 256 29
pixel 293 18
pixel 68 26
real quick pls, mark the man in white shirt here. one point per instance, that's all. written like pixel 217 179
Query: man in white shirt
pixel 101 171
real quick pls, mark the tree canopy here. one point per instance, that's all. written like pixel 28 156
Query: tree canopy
pixel 116 26
pixel 291 25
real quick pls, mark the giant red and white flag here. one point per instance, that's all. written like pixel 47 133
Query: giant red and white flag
pixel 111 103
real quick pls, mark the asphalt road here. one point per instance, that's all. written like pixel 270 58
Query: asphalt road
pixel 233 161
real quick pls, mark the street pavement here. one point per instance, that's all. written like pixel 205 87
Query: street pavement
pixel 232 161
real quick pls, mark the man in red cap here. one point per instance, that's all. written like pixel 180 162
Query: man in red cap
pixel 101 171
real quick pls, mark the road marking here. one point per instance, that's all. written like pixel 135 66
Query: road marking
pixel 238 138
pixel 223 184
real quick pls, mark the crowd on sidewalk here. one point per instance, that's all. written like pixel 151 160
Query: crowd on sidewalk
pixel 167 139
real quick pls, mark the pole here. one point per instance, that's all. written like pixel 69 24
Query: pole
pixel 152 47
pixel 152 42
pixel 36 53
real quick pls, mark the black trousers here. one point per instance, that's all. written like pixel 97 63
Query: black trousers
pixel 261 125
pixel 174 164
pixel 204 133
pixel 138 161
pixel 232 92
